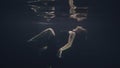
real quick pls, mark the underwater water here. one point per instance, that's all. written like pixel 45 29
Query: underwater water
pixel 24 19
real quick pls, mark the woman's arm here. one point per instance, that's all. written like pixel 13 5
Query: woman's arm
pixel 69 43
pixel 72 6
pixel 70 40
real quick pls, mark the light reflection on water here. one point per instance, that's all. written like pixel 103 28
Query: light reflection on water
pixel 46 9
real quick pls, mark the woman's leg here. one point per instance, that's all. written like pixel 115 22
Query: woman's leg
pixel 48 31
pixel 40 40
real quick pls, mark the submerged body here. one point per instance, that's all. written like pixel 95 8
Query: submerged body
pixel 45 38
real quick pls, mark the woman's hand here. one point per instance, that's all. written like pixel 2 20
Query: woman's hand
pixel 60 52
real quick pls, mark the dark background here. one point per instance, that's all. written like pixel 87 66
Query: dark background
pixel 17 27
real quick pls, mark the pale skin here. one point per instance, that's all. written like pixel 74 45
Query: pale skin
pixel 71 38
pixel 46 30
pixel 73 13
pixel 72 33
pixel 72 6
pixel 69 43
